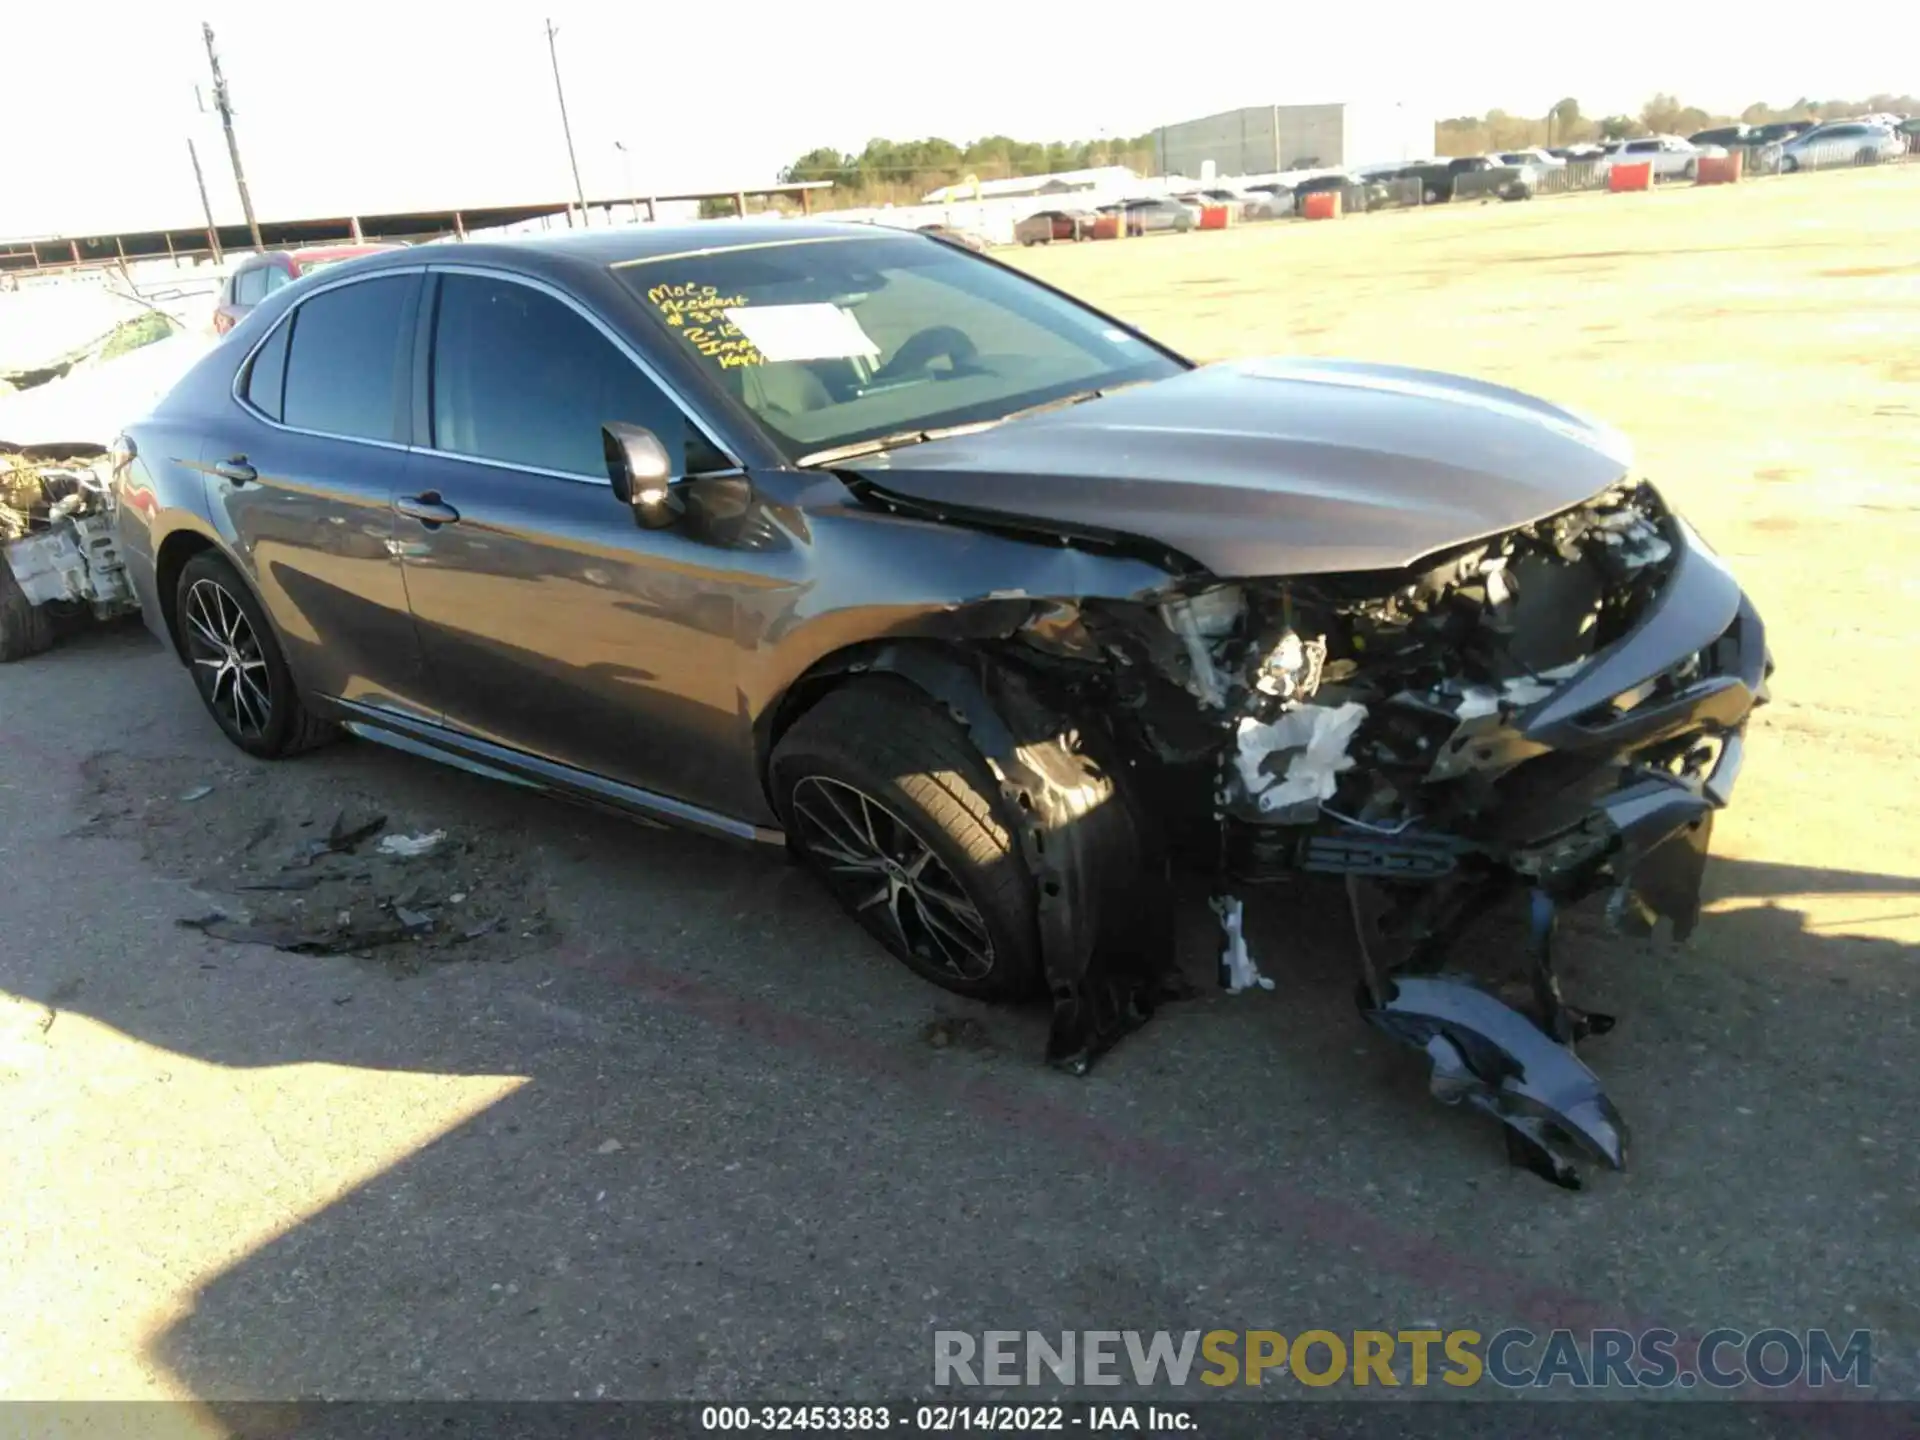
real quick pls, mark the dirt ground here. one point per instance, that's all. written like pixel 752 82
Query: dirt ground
pixel 667 1125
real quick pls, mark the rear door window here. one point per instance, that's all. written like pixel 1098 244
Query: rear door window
pixel 345 365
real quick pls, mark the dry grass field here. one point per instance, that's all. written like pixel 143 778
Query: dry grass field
pixel 1761 344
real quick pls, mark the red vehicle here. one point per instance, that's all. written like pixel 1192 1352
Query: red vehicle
pixel 258 276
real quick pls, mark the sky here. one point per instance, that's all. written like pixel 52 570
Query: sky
pixel 373 107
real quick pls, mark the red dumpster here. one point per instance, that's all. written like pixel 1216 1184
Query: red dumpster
pixel 1718 169
pixel 1630 177
pixel 1321 205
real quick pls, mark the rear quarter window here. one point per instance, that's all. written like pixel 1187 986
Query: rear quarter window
pixel 267 375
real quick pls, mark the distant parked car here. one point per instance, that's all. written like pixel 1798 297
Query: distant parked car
pixel 1049 225
pixel 957 236
pixel 1536 156
pixel 1849 142
pixel 258 276
pixel 1338 180
pixel 1731 136
pixel 1276 194
pixel 1779 131
pixel 1155 212
pixel 1670 156
pixel 1468 177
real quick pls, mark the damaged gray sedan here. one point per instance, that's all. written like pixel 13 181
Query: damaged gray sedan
pixel 988 606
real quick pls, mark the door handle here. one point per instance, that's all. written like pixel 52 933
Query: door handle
pixel 237 470
pixel 428 508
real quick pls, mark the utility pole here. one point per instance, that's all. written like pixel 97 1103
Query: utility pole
pixel 223 103
pixel 566 128
pixel 213 231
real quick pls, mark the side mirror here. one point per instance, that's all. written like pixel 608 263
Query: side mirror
pixel 642 474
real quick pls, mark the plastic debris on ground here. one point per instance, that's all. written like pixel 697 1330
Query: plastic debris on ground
pixel 270 877
pixel 1238 972
pixel 409 847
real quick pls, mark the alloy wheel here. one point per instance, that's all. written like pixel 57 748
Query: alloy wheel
pixel 889 877
pixel 228 664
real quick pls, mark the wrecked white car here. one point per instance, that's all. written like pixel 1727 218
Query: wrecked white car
pixel 986 604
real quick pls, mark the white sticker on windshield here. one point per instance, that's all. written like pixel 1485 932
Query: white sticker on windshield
pixel 803 332
pixel 1118 337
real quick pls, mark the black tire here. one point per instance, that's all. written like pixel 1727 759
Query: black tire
pixel 909 760
pixel 1788 164
pixel 246 668
pixel 1431 195
pixel 25 628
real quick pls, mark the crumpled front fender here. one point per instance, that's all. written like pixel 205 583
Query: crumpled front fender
pixel 1103 892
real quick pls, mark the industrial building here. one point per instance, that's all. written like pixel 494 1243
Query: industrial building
pixel 1268 139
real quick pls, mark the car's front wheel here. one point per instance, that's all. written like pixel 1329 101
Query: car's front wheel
pixel 237 664
pixel 887 800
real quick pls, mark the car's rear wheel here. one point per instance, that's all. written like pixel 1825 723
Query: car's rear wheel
pixel 886 799
pixel 237 664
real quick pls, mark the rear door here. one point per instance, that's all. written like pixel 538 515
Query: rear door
pixel 302 477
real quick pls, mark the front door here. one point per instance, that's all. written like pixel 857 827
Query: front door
pixel 550 622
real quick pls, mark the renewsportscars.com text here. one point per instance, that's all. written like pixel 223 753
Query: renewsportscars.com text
pixel 1653 1359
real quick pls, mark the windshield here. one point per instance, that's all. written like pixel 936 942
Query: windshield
pixel 833 342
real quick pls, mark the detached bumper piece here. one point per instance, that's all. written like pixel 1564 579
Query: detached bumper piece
pixel 1671 752
pixel 1499 1062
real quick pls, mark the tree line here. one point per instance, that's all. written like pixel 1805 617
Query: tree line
pixel 899 172
pixel 1664 114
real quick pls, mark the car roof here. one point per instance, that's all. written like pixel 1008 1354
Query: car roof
pixel 579 250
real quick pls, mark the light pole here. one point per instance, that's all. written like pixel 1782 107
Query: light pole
pixel 626 161
pixel 566 128
pixel 224 104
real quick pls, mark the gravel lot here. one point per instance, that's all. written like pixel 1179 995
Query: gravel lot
pixel 669 1127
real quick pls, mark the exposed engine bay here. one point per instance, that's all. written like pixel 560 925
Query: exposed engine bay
pixel 56 533
pixel 1544 716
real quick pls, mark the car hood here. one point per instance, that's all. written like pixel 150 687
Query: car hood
pixel 1274 467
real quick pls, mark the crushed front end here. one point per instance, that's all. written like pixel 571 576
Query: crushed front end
pixel 58 555
pixel 1546 716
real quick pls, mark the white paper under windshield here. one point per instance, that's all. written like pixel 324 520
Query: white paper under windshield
pixel 803 332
